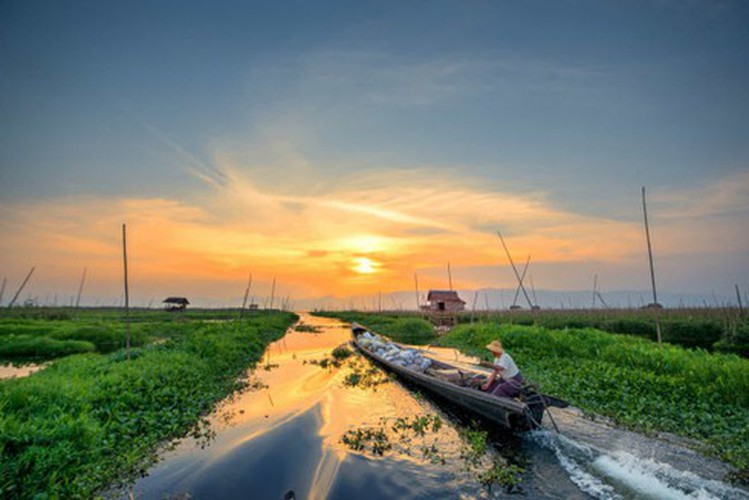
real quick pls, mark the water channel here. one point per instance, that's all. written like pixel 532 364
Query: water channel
pixel 283 439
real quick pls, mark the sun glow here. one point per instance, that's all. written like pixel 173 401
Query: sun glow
pixel 364 265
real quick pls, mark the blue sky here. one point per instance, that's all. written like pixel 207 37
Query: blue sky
pixel 571 104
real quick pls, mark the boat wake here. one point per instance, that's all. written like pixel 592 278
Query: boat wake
pixel 618 474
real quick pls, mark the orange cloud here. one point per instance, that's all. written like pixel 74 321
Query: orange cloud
pixel 362 234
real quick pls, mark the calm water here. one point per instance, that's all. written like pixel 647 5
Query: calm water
pixel 10 371
pixel 284 436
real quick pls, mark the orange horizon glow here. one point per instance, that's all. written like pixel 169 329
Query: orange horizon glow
pixel 357 238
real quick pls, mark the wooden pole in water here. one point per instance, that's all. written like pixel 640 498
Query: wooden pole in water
pixel 450 277
pixel 650 249
pixel 595 289
pixel 246 293
pixel 416 288
pixel 738 298
pixel 650 259
pixel 517 275
pixel 522 277
pixel 127 292
pixel 15 297
pixel 80 288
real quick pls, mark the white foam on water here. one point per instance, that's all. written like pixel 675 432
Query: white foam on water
pixel 618 474
pixel 573 457
pixel 650 479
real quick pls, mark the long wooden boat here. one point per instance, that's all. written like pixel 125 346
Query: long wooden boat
pixel 460 387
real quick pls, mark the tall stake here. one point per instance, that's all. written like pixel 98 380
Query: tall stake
pixel 80 289
pixel 2 290
pixel 650 250
pixel 522 277
pixel 246 293
pixel 13 301
pixel 127 293
pixel 416 288
pixel 517 275
pixel 738 298
pixel 272 292
pixel 595 290
pixel 450 277
pixel 652 271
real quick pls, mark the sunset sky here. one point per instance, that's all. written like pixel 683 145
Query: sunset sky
pixel 342 147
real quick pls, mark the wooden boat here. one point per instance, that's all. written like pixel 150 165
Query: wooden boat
pixel 461 387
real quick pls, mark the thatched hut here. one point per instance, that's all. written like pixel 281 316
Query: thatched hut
pixel 176 303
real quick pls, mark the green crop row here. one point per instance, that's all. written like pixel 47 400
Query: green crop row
pixel 721 330
pixel 409 330
pixel 712 329
pixel 636 382
pixel 89 420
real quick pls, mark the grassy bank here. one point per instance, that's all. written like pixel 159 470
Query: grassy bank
pixel 636 382
pixel 406 329
pixel 714 329
pixel 620 372
pixel 89 420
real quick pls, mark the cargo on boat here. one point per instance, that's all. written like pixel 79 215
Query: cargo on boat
pixel 458 385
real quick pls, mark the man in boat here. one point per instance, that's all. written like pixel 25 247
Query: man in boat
pixel 506 380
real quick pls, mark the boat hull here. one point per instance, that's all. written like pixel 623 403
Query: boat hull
pixel 509 413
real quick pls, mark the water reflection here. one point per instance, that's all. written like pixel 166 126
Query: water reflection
pixel 285 433
pixel 10 371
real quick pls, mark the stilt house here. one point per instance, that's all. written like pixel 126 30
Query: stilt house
pixel 446 301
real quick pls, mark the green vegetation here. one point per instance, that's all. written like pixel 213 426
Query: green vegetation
pixel 408 330
pixel 607 362
pixel 719 329
pixel 635 381
pixel 89 420
pixel 39 334
pixel 475 453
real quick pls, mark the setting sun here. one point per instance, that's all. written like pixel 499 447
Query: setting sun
pixel 364 265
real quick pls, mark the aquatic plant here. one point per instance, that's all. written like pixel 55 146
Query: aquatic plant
pixel 90 420
pixel 636 382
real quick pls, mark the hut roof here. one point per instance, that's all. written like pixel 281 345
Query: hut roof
pixel 444 296
pixel 176 300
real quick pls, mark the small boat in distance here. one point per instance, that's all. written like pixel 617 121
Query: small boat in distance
pixel 460 386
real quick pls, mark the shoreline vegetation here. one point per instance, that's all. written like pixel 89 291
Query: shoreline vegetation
pixel 625 376
pixel 94 420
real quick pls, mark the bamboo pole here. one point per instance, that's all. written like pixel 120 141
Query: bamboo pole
pixel 80 289
pixel 450 277
pixel 272 292
pixel 416 288
pixel 2 290
pixel 650 249
pixel 26 280
pixel 522 277
pixel 595 290
pixel 652 270
pixel 246 293
pixel 127 293
pixel 533 291
pixel 473 306
pixel 517 275
pixel 738 298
